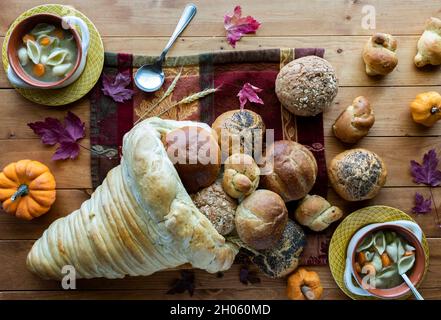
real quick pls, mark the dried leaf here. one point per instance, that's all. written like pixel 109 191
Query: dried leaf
pixel 236 25
pixel 52 131
pixel 427 172
pixel 246 276
pixel 249 93
pixel 115 87
pixel 422 205
pixel 185 283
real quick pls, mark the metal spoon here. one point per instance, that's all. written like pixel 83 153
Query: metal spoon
pixel 412 287
pixel 150 77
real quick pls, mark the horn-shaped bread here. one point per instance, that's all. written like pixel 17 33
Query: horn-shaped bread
pixel 139 221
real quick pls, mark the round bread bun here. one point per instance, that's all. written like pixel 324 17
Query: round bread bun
pixel 294 170
pixel 217 206
pixel 241 175
pixel 236 129
pixel 307 86
pixel 261 219
pixel 196 155
pixel 357 174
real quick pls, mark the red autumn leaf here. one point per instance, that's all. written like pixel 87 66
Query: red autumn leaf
pixel 52 131
pixel 422 205
pixel 249 93
pixel 115 86
pixel 236 25
pixel 427 173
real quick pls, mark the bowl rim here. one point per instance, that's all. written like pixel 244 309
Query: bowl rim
pixel 402 289
pixel 28 79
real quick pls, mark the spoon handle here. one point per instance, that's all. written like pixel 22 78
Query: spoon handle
pixel 187 15
pixel 412 288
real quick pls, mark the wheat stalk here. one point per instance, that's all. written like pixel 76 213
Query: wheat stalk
pixel 164 96
pixel 189 99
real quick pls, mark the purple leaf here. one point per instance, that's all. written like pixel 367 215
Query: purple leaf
pixel 75 128
pixel 426 173
pixel 422 205
pixel 246 276
pixel 49 130
pixel 185 283
pixel 52 131
pixel 236 25
pixel 115 87
pixel 248 93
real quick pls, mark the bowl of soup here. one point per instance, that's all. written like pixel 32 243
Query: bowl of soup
pixel 46 51
pixel 379 254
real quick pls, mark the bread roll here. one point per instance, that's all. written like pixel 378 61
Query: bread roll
pixel 316 213
pixel 357 174
pixel 294 170
pixel 379 54
pixel 236 131
pixel 355 121
pixel 196 155
pixel 307 86
pixel 261 219
pixel 429 45
pixel 217 206
pixel 283 257
pixel 241 175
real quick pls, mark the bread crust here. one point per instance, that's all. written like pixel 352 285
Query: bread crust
pixel 357 174
pixel 238 126
pixel 195 172
pixel 261 219
pixel 379 54
pixel 294 170
pixel 241 175
pixel 307 86
pixel 355 121
pixel 316 213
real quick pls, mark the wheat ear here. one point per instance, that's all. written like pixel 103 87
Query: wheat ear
pixel 165 95
pixel 189 99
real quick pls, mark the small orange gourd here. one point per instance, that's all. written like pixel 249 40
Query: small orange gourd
pixel 304 285
pixel 27 189
pixel 426 108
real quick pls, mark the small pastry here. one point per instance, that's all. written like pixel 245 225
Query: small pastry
pixel 316 213
pixel 217 206
pixel 379 54
pixel 241 175
pixel 355 121
pixel 196 155
pixel 307 86
pixel 357 174
pixel 294 170
pixel 261 219
pixel 429 45
pixel 236 131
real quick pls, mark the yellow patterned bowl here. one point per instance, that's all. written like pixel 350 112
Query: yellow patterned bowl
pixel 348 227
pixel 92 70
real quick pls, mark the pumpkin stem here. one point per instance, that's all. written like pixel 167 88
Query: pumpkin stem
pixel 307 292
pixel 21 191
pixel 434 110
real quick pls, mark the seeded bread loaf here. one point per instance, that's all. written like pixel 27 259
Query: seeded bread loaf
pixel 307 86
pixel 357 174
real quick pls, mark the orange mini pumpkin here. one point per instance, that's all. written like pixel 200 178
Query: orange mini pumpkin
pixel 27 189
pixel 426 108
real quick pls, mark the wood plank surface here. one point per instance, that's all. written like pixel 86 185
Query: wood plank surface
pixel 143 27
pixel 343 52
pixel 278 17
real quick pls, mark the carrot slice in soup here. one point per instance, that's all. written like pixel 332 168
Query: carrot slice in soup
pixel 39 70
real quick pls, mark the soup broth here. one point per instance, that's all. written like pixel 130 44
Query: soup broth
pixel 385 255
pixel 48 53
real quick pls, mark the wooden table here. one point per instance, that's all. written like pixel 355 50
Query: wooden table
pixel 143 27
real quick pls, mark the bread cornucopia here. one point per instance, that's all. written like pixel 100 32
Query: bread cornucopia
pixel 139 221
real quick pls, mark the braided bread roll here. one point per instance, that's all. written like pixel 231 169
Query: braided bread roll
pixel 139 221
